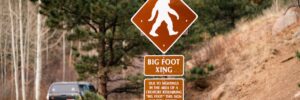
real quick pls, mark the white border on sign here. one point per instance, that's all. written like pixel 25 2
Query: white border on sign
pixel 164 52
pixel 183 63
pixel 165 79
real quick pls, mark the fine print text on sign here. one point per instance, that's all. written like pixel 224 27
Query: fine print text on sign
pixel 163 89
pixel 164 65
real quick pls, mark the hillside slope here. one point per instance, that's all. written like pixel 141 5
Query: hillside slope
pixel 256 61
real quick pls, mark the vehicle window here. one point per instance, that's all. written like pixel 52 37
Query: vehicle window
pixel 92 88
pixel 64 88
pixel 84 88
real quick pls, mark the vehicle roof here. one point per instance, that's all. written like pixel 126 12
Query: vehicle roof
pixel 86 83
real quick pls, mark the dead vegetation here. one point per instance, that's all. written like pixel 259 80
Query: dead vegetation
pixel 252 63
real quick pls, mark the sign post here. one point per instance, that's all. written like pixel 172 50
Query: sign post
pixel 163 22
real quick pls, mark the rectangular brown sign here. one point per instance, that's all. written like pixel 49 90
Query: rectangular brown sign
pixel 164 89
pixel 163 65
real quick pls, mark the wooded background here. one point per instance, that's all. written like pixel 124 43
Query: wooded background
pixel 44 41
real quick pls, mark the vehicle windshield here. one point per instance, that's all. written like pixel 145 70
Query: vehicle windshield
pixel 64 88
pixel 85 88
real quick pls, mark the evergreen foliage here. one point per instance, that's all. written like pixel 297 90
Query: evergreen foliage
pixel 92 96
pixel 220 16
pixel 102 25
pixel 199 72
pixel 298 55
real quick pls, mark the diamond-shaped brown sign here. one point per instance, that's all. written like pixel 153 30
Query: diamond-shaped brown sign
pixel 164 21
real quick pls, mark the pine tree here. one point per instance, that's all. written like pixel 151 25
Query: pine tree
pixel 220 16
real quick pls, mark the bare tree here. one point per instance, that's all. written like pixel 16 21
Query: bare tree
pixel 14 51
pixel 1 60
pixel 22 55
pixel 70 55
pixel 4 60
pixel 38 56
pixel 64 57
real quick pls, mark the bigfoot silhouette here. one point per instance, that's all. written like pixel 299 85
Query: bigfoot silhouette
pixel 163 9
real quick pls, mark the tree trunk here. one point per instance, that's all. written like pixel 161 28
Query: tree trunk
pixel 103 83
pixel 5 59
pixel 102 64
pixel 22 51
pixel 47 51
pixel 13 51
pixel 27 42
pixel 64 58
pixel 1 62
pixel 70 56
pixel 0 39
pixel 277 5
pixel 38 56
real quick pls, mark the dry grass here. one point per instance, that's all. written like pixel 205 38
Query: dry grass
pixel 232 43
pixel 248 51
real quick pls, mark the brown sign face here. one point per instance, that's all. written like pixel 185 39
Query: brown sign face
pixel 163 89
pixel 164 21
pixel 163 65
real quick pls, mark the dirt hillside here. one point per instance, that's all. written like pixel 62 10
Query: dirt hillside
pixel 256 61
